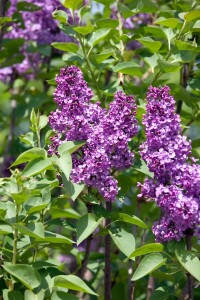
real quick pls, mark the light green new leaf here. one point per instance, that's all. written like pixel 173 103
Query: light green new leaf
pixel 124 240
pixel 154 247
pixel 29 295
pixel 72 282
pixel 189 261
pixel 98 36
pixel 43 121
pixel 60 15
pixel 151 44
pixel 86 225
pixel 21 196
pixel 67 47
pixel 24 273
pixel 72 189
pixel 148 264
pixel 170 22
pixel 84 30
pixel 74 4
pixel 107 23
pixel 36 166
pixel 192 15
pixel 184 46
pixel 130 219
pixel 30 155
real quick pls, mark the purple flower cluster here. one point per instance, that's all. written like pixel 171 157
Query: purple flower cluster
pixel 106 132
pixel 38 26
pixel 176 182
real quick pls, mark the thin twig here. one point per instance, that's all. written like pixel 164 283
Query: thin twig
pixel 107 278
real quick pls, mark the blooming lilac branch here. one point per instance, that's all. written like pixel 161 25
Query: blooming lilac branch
pixel 107 132
pixel 175 186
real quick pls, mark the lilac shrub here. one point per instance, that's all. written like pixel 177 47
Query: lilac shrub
pixel 175 186
pixel 106 132
pixel 39 27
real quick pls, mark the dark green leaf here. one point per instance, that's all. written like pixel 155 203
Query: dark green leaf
pixel 98 36
pixel 130 219
pixel 148 264
pixel 189 261
pixel 129 68
pixel 72 282
pixel 107 23
pixel 86 225
pixel 67 47
pixel 124 240
pixel 27 6
pixel 155 247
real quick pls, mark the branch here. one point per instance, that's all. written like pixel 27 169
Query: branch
pixel 150 287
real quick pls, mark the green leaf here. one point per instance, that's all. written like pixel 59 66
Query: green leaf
pixel 5 20
pixel 130 219
pixel 64 162
pixel 21 196
pixel 59 295
pixel 192 15
pixel 107 23
pixel 151 44
pixel 160 294
pixel 28 138
pixel 57 213
pixel 103 55
pixel 189 261
pixel 129 68
pixel 84 30
pixel 169 22
pixel 29 295
pixel 74 4
pixel 12 295
pixel 86 225
pixel 125 11
pixel 124 240
pixel 70 146
pixel 154 247
pixel 35 230
pixel 35 204
pixel 27 6
pixel 60 15
pixel 168 67
pixel 184 45
pixel 152 61
pixel 72 189
pixel 98 36
pixel 148 264
pixel 5 229
pixel 67 47
pixel 72 282
pixel 36 166
pixel 24 273
pixel 54 238
pixel 43 121
pixel 141 166
pixel 30 155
